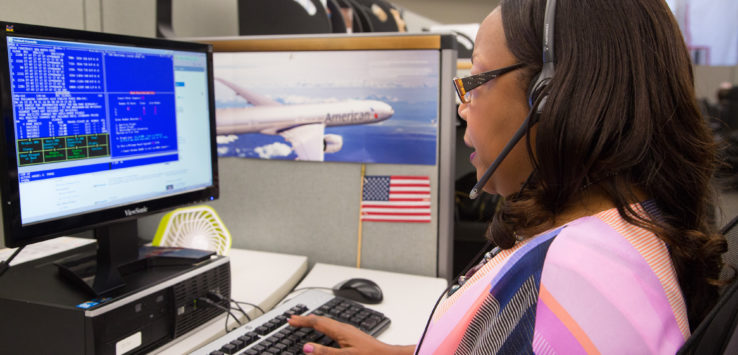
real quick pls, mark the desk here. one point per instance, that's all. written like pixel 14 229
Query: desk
pixel 408 299
pixel 256 277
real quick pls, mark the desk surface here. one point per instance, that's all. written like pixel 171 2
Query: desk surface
pixel 266 278
pixel 408 299
pixel 256 277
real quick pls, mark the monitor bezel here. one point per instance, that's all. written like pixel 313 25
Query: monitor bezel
pixel 15 233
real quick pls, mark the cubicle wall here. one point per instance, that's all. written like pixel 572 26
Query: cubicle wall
pixel 313 208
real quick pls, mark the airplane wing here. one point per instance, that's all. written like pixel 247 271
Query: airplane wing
pixel 306 140
pixel 252 97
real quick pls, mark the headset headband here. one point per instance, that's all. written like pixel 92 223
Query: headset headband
pixel 548 35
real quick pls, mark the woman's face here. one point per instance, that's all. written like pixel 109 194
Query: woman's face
pixel 496 111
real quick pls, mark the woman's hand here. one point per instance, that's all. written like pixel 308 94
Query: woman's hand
pixel 351 339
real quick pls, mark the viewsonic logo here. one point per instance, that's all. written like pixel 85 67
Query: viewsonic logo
pixel 137 210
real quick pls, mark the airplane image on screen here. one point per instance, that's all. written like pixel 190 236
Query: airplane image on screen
pixel 302 125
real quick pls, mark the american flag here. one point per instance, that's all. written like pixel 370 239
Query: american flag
pixel 396 199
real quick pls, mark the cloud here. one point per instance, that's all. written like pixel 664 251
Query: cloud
pixel 273 150
pixel 226 139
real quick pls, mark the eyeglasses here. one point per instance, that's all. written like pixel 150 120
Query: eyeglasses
pixel 468 83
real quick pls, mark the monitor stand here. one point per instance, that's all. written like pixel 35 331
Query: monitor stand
pixel 118 254
pixel 99 274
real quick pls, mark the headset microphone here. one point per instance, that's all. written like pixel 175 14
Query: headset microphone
pixel 536 97
pixel 505 151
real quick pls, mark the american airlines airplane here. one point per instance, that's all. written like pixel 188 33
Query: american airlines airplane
pixel 303 125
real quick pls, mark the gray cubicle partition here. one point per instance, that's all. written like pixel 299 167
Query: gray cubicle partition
pixel 312 208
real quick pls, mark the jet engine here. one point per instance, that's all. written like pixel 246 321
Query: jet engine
pixel 332 143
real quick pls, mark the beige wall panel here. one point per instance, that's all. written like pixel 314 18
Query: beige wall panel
pixel 57 13
pixel 130 17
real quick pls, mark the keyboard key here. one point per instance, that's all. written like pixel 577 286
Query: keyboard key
pixel 238 344
pixel 247 339
pixel 259 347
pixel 263 330
pixel 229 348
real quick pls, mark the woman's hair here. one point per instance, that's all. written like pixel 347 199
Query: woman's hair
pixel 621 117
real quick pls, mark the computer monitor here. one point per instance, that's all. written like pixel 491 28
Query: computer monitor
pixel 99 130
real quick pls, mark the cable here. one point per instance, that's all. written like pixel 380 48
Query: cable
pixel 5 265
pixel 210 302
pixel 241 310
pixel 217 297
pixel 249 304
pixel 238 308
pixel 475 260
pixel 466 269
pixel 311 288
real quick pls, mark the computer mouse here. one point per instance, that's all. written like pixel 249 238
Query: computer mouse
pixel 360 290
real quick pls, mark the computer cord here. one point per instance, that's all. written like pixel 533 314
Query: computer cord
pixel 466 269
pixel 228 310
pixel 248 304
pixel 241 310
pixel 5 264
pixel 474 261
pixel 217 297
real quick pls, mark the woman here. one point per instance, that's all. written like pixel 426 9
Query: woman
pixel 605 241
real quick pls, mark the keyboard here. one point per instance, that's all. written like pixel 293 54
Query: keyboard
pixel 270 333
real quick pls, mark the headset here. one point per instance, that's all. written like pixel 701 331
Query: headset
pixel 537 95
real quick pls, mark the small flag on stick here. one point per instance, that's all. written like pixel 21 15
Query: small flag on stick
pixel 395 198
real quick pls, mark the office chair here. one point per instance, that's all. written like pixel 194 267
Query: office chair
pixel 378 15
pixel 355 20
pixel 338 25
pixel 164 19
pixel 730 231
pixel 718 334
pixel 256 17
pixel 362 15
pixel 463 40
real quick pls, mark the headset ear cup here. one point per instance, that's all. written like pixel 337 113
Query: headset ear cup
pixel 537 88
pixel 533 89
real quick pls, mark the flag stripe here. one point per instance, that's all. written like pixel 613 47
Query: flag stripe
pixel 417 189
pixel 394 213
pixel 397 218
pixel 409 196
pixel 411 178
pixel 402 210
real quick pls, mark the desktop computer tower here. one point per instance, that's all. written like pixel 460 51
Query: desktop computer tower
pixel 40 313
